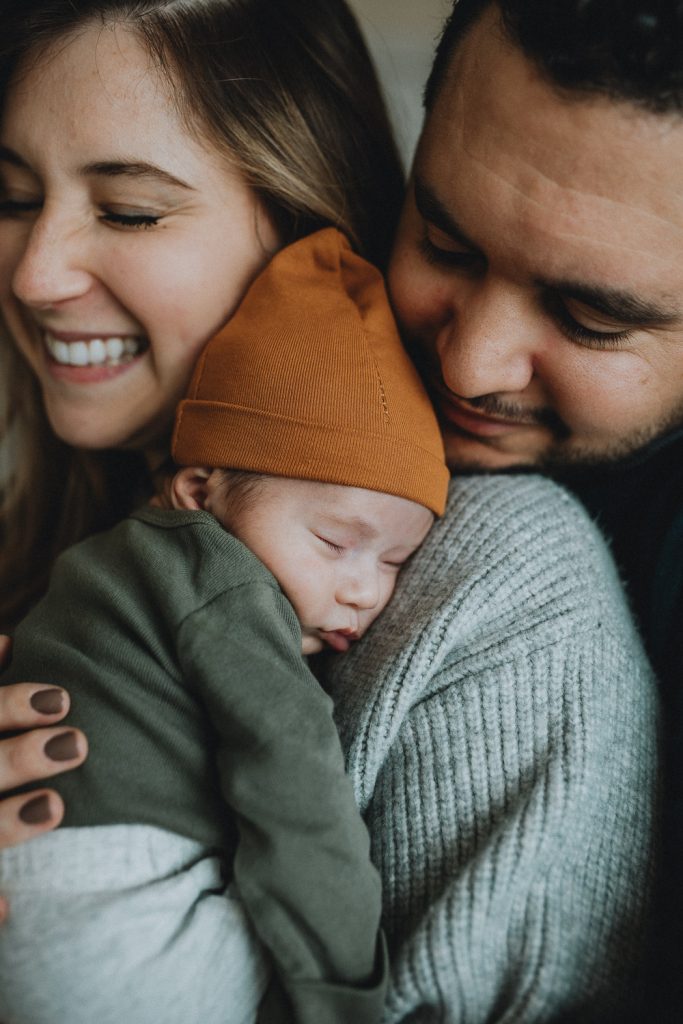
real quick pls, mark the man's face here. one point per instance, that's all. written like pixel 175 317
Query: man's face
pixel 538 268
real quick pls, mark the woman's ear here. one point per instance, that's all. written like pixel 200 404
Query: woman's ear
pixel 189 487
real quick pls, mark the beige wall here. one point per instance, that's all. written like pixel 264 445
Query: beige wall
pixel 401 35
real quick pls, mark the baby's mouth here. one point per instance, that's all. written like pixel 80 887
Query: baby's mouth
pixel 339 639
pixel 110 351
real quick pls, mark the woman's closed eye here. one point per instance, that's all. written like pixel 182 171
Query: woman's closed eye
pixel 14 208
pixel 132 219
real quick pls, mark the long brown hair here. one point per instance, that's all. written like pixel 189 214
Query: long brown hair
pixel 287 90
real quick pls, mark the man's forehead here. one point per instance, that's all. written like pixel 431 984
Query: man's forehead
pixel 502 150
pixel 556 271
pixel 489 74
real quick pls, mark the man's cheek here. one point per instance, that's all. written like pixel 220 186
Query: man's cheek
pixel 415 303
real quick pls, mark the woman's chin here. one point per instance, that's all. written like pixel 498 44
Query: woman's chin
pixel 93 430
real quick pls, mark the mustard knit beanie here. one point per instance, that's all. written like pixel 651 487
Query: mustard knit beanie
pixel 309 380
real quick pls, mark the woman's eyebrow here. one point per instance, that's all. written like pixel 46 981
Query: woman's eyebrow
pixel 109 169
pixel 133 169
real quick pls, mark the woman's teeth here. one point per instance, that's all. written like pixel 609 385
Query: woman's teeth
pixel 97 352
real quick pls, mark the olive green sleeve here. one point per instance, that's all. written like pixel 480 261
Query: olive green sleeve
pixel 302 865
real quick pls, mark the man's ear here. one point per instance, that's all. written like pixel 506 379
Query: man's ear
pixel 189 487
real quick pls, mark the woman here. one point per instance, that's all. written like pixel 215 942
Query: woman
pixel 114 273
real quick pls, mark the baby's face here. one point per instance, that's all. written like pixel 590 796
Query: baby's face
pixel 335 551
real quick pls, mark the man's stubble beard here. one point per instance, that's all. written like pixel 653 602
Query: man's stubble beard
pixel 561 452
pixel 563 455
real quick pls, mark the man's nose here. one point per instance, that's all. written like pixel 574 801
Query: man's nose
pixel 52 265
pixel 486 346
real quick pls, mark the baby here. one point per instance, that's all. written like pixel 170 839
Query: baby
pixel 213 820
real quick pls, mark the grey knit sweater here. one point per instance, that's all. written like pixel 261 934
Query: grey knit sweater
pixel 500 724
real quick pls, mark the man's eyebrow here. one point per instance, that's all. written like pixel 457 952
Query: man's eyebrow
pixel 431 209
pixel 625 307
pixel 8 156
pixel 622 306
pixel 357 523
pixel 132 169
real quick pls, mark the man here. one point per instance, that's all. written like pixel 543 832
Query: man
pixel 538 274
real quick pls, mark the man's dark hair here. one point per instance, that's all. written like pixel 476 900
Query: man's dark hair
pixel 625 49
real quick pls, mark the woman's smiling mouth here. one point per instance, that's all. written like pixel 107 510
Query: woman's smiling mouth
pixel 91 351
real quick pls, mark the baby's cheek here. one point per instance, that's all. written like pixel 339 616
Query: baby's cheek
pixel 388 587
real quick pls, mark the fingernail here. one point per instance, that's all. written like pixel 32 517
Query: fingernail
pixel 36 811
pixel 62 747
pixel 48 702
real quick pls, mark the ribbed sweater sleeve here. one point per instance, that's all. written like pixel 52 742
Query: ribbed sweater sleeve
pixel 501 735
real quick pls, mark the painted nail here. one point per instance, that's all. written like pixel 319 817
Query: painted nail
pixel 36 811
pixel 62 747
pixel 47 702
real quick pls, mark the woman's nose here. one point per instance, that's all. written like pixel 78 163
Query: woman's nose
pixel 51 268
pixel 486 346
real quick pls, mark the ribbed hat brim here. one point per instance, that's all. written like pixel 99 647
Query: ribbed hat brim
pixel 218 434
pixel 309 380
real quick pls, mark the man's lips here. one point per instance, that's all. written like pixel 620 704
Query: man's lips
pixel 463 416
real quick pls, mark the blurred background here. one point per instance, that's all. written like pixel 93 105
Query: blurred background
pixel 402 35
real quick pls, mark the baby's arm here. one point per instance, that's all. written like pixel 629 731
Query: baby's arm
pixel 302 865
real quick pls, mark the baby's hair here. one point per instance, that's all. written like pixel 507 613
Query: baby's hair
pixel 240 487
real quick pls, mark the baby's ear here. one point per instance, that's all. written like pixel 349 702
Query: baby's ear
pixel 189 487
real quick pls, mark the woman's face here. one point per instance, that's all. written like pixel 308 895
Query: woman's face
pixel 125 243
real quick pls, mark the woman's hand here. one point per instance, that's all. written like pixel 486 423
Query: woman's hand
pixel 43 751
pixel 39 753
